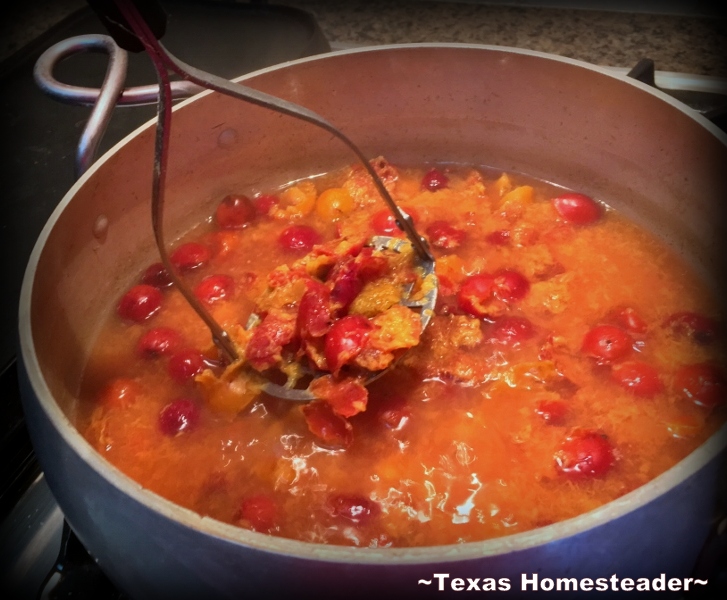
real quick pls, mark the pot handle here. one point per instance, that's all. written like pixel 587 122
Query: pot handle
pixel 103 100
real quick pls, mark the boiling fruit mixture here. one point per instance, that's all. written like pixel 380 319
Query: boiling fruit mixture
pixel 571 359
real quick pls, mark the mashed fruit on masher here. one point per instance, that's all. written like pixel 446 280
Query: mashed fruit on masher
pixel 571 359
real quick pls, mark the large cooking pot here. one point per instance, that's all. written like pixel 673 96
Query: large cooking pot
pixel 558 119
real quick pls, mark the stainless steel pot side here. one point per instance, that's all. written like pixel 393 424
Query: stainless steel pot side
pixel 515 110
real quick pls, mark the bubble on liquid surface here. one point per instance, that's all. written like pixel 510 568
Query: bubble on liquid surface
pixel 227 138
pixel 101 228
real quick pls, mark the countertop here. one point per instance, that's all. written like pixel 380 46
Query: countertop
pixel 685 41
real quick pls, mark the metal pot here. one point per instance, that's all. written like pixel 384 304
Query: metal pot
pixel 554 118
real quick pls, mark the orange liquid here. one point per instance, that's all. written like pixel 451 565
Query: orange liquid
pixel 451 447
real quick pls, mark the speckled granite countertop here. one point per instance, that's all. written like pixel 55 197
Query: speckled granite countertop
pixel 608 38
pixel 687 44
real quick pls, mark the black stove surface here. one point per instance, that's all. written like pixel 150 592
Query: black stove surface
pixel 38 134
pixel 38 138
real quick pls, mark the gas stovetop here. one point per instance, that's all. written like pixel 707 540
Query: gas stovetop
pixel 39 137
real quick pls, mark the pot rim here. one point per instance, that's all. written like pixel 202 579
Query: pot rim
pixel 329 553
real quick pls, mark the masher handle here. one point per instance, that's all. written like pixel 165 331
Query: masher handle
pixel 119 28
